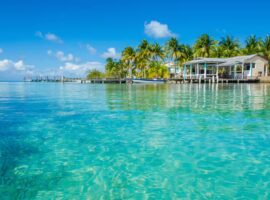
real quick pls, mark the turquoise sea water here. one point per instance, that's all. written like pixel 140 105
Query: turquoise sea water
pixel 80 141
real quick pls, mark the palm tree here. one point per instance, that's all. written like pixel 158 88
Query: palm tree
pixel 187 53
pixel 115 68
pixel 156 52
pixel 174 52
pixel 156 58
pixel 157 70
pixel 265 47
pixel 143 55
pixel 217 52
pixel 110 65
pixel 253 45
pixel 229 47
pixel 128 57
pixel 94 74
pixel 204 46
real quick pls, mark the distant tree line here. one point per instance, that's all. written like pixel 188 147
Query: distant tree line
pixel 148 60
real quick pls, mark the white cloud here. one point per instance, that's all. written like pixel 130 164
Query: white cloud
pixel 53 37
pixel 1 50
pixel 91 49
pixel 49 36
pixel 61 56
pixel 16 70
pixel 73 69
pixel 157 30
pixel 4 64
pixel 70 69
pixel 110 53
pixel 18 66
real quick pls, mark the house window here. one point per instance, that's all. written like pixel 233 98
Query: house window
pixel 247 66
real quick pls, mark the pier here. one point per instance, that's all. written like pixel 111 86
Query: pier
pixel 51 79
pixel 77 80
pixel 212 80
pixel 180 80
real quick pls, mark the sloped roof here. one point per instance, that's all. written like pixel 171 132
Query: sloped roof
pixel 206 60
pixel 236 60
pixel 222 61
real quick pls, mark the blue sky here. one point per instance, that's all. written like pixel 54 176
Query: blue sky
pixel 70 37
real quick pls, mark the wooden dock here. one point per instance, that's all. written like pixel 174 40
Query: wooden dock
pixel 51 79
pixel 211 80
pixel 106 81
pixel 77 80
pixel 123 81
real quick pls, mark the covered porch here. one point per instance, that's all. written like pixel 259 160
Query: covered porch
pixel 241 67
pixel 208 70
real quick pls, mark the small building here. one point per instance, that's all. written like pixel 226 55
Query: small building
pixel 173 69
pixel 240 67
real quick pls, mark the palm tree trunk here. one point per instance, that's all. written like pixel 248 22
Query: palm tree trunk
pixel 143 72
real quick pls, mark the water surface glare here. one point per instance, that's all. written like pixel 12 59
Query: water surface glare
pixel 82 141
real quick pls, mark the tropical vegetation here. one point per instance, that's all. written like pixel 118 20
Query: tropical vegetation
pixel 152 60
pixel 95 74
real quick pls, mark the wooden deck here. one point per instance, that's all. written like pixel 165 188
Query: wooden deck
pixel 211 80
pixel 104 81
pixel 123 81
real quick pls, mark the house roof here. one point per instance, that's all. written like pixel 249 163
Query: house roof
pixel 205 60
pixel 222 61
pixel 236 60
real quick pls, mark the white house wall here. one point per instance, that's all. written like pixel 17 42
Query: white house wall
pixel 260 64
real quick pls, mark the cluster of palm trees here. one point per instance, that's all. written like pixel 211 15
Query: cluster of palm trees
pixel 149 60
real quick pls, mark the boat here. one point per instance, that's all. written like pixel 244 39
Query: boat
pixel 152 81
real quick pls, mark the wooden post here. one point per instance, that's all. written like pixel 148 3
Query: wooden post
pixel 242 70
pixel 185 71
pixel 250 69
pixel 217 72
pixel 205 66
pixel 190 72
pixel 234 72
pixel 198 71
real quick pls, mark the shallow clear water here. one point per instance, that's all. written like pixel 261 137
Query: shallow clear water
pixel 80 141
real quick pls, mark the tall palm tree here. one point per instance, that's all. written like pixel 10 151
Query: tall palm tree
pixel 110 67
pixel 115 68
pixel 204 46
pixel 187 53
pixel 156 60
pixel 156 52
pixel 174 52
pixel 144 49
pixel 265 47
pixel 217 52
pixel 143 55
pixel 128 57
pixel 253 45
pixel 229 46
